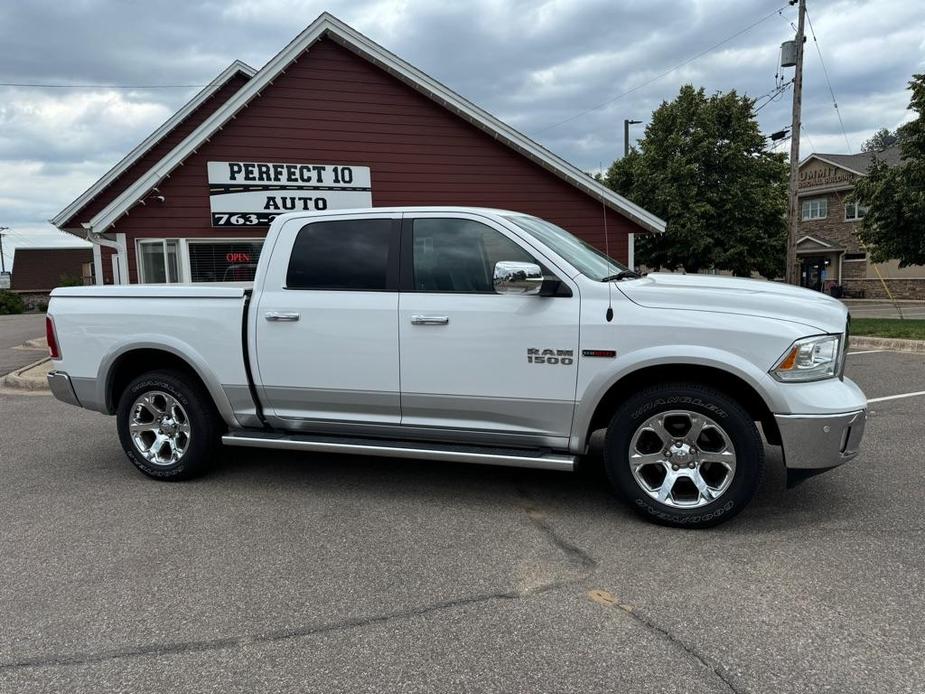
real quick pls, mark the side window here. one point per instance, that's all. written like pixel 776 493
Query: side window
pixel 815 208
pixel 854 211
pixel 459 255
pixel 347 254
pixel 223 261
pixel 157 261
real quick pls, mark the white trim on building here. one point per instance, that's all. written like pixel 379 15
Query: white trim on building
pixel 151 140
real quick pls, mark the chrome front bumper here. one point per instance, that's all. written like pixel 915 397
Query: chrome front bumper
pixel 820 442
pixel 61 387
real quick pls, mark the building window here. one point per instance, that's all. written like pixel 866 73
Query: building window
pixel 816 208
pixel 223 261
pixel 855 257
pixel 854 211
pixel 157 261
pixel 349 255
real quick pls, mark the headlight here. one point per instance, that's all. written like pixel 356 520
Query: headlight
pixel 809 359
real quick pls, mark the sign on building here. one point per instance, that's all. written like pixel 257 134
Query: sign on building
pixel 822 175
pixel 253 193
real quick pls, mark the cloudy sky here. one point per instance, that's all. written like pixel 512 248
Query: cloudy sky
pixel 540 66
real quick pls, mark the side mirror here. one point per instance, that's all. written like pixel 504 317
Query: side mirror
pixel 517 278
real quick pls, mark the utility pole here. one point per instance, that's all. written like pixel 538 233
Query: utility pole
pixel 626 134
pixel 2 259
pixel 793 219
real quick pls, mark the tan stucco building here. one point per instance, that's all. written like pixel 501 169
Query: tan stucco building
pixel 829 252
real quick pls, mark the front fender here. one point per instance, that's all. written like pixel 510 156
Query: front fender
pixel 627 364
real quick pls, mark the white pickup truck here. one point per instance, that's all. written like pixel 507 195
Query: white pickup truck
pixel 469 335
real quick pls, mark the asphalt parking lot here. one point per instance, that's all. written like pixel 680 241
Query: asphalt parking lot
pixel 310 573
pixel 14 331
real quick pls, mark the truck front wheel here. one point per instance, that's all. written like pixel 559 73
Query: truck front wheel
pixel 167 426
pixel 684 454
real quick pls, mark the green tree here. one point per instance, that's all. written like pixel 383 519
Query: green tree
pixel 881 139
pixel 894 226
pixel 703 166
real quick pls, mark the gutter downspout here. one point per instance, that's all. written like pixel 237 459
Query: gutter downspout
pixel 99 240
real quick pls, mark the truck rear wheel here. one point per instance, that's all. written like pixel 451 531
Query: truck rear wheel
pixel 167 425
pixel 684 455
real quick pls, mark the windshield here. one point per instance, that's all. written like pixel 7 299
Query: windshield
pixel 586 258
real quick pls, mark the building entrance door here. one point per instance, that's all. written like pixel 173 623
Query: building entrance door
pixel 813 272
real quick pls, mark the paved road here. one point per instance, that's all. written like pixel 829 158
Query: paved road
pixel 885 309
pixel 287 573
pixel 14 330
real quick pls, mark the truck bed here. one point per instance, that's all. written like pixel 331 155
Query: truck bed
pixel 202 323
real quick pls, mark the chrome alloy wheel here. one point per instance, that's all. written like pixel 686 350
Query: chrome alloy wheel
pixel 159 428
pixel 682 459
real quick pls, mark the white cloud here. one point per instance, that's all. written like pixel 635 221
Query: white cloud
pixel 74 126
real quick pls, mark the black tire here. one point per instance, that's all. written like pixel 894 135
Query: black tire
pixel 204 424
pixel 736 424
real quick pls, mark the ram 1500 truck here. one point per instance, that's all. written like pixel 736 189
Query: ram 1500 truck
pixel 469 335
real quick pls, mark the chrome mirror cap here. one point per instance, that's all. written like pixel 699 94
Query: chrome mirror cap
pixel 513 277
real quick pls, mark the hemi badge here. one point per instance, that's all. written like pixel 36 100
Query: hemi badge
pixel 599 353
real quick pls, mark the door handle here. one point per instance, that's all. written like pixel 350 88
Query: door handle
pixel 281 316
pixel 430 320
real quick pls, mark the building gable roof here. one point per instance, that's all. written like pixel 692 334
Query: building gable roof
pixel 812 242
pixel 145 146
pixel 857 163
pixel 328 25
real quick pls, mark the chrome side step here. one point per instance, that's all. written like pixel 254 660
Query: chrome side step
pixel 481 455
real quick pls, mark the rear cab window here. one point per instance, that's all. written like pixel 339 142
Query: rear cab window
pixel 346 255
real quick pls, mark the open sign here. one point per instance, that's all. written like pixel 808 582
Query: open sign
pixel 238 257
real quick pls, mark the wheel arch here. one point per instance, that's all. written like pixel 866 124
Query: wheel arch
pixel 121 367
pixel 727 382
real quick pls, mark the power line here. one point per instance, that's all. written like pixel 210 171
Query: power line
pixel 773 92
pixel 37 85
pixel 808 138
pixel 780 142
pixel 825 72
pixel 773 95
pixel 667 72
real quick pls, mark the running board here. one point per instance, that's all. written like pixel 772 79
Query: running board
pixel 481 455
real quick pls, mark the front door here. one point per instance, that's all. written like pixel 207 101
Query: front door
pixel 813 272
pixel 327 325
pixel 475 363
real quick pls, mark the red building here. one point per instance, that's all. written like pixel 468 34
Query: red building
pixel 331 105
pixel 42 269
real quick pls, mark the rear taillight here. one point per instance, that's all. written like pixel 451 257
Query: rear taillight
pixel 53 350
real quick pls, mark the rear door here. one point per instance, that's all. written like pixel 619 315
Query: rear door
pixel 476 364
pixel 327 324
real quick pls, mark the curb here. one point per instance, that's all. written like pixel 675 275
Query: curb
pixel 882 301
pixel 886 343
pixel 21 379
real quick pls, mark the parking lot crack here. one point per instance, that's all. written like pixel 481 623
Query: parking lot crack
pixel 194 646
pixel 693 653
pixel 577 556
